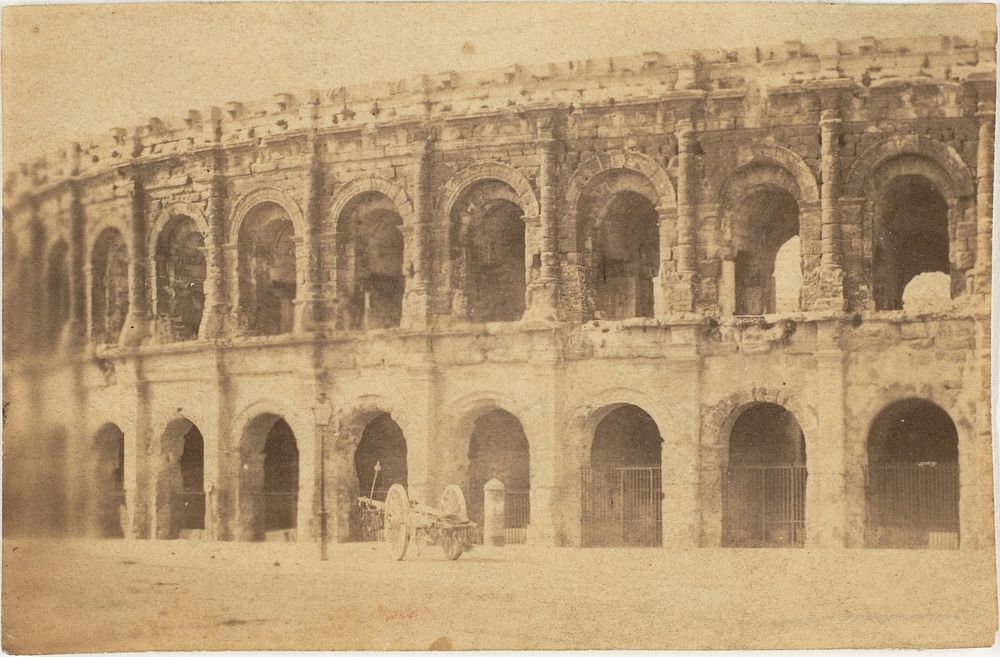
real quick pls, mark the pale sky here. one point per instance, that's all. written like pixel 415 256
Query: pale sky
pixel 71 72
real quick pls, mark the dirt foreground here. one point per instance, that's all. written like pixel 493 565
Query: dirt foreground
pixel 96 596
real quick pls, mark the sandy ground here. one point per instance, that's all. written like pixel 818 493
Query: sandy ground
pixel 177 595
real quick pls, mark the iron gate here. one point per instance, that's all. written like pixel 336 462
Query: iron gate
pixel 517 514
pixel 913 505
pixel 621 506
pixel 763 505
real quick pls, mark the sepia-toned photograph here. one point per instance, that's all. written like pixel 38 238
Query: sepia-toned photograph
pixel 508 326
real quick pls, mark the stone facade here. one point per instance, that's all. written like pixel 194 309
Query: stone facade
pixel 558 242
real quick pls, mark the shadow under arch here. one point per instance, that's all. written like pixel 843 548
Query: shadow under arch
pixel 267 493
pixel 912 477
pixel 180 481
pixel 110 515
pixel 621 483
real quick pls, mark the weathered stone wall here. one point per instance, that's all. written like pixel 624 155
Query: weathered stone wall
pixel 700 138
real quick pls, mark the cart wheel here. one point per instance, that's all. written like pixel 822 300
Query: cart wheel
pixel 452 503
pixel 452 545
pixel 397 521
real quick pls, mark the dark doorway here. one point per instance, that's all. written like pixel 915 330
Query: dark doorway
pixel 382 443
pixel 109 482
pixel 913 477
pixel 498 448
pixel 191 497
pixel 281 478
pixel 764 484
pixel 622 489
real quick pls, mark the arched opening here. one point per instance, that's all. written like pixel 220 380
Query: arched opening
pixel 109 482
pixel 269 480
pixel 788 276
pixel 913 477
pixel 499 449
pixel 494 259
pixel 911 238
pixel 382 443
pixel 622 490
pixel 766 223
pixel 180 280
pixel 267 271
pixel 487 253
pixel 764 483
pixel 180 505
pixel 626 257
pixel 370 263
pixel 109 293
pixel 57 288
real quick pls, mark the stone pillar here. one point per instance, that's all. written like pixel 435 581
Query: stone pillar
pixel 684 278
pixel 138 319
pixel 216 294
pixel 666 222
pixel 975 457
pixel 235 325
pixel 494 513
pixel 984 197
pixel 420 431
pixel 141 452
pixel 337 483
pixel 826 501
pixel 309 311
pixel 680 467
pixel 416 298
pixel 828 282
pixel 75 332
pixel 543 293
pixel 555 474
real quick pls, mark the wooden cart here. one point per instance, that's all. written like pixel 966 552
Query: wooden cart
pixel 404 520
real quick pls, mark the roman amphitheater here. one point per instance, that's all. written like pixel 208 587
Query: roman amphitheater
pixel 692 299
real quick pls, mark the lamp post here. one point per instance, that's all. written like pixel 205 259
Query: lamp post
pixel 322 414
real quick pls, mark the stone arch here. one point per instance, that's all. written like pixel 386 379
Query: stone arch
pixel 172 211
pixel 493 241
pixel 370 251
pixel 617 202
pixel 110 265
pixel 767 155
pixel 369 434
pixel 962 182
pixel 913 476
pixel 265 406
pixel 480 171
pixel 874 180
pixel 179 472
pixel 355 414
pixel 602 163
pixel 271 241
pixel 100 225
pixel 720 417
pixel 178 247
pixel 251 199
pixel 346 194
pixel 581 419
pixel 107 481
pixel 717 422
pixel 267 489
pixel 473 467
pixel 621 484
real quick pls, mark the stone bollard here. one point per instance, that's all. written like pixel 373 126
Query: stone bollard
pixel 494 513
